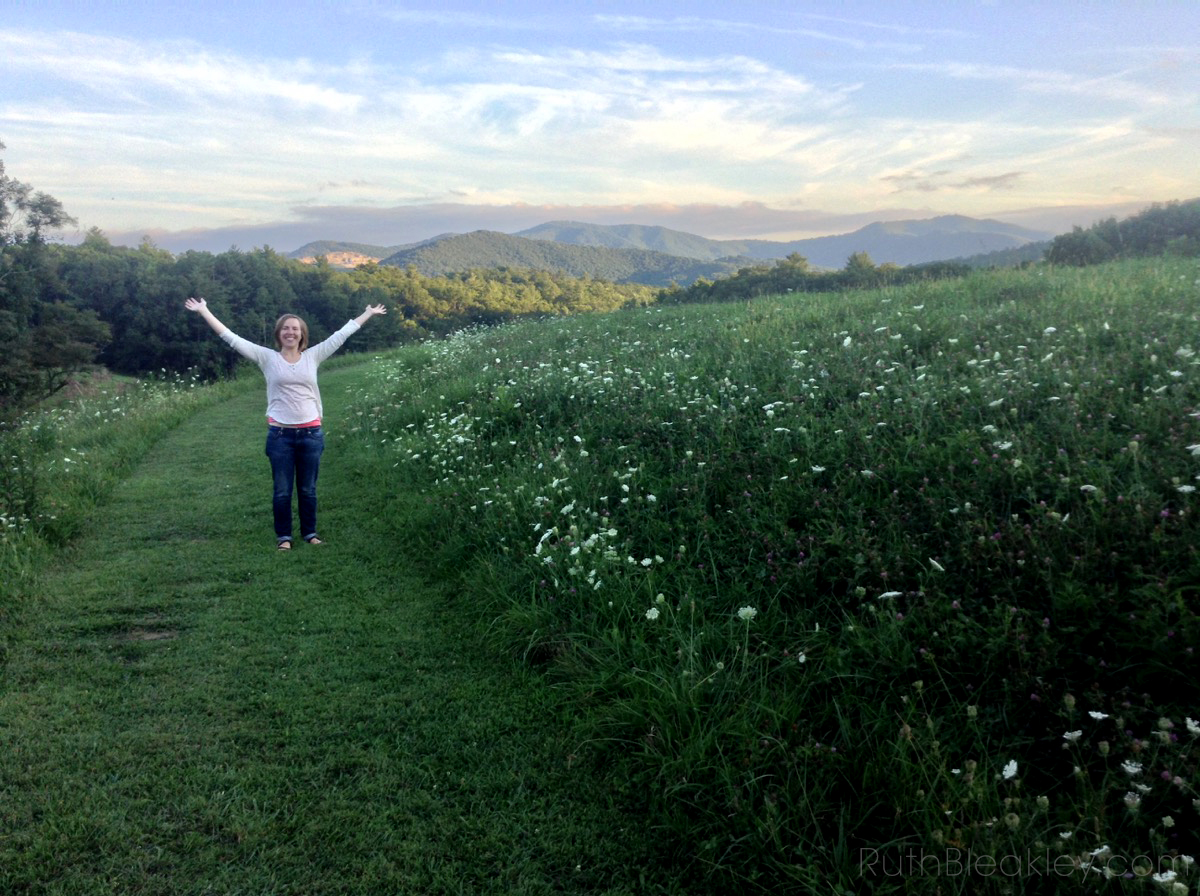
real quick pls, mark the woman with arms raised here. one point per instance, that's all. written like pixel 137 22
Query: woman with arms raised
pixel 295 441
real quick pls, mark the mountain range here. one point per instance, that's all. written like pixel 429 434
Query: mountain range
pixel 659 256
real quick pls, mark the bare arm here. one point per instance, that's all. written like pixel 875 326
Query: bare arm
pixel 201 307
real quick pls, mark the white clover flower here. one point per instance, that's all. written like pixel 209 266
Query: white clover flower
pixel 1010 770
pixel 846 342
pixel 652 613
pixel 747 613
pixel 1168 821
pixel 802 659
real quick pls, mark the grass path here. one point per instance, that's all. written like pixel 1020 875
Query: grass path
pixel 185 710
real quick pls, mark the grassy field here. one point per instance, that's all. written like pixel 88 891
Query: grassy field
pixel 891 591
pixel 185 710
pixel 849 580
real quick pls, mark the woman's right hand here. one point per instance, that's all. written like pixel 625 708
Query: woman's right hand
pixel 195 304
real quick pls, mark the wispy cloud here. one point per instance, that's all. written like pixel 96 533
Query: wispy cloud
pixel 692 24
pixel 1116 86
pixel 120 71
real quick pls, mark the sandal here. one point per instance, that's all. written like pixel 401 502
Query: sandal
pixel 313 540
pixel 284 546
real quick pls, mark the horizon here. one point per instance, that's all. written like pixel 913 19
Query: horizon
pixel 218 126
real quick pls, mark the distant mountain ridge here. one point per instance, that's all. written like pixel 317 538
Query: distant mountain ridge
pixel 900 242
pixel 490 249
pixel 658 256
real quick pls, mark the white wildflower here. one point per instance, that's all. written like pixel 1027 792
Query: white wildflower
pixel 1010 770
pixel 652 613
pixel 747 613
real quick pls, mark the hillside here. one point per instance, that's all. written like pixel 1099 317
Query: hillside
pixel 485 249
pixel 635 236
pixel 900 242
pixel 349 255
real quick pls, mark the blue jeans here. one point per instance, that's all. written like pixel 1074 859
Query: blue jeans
pixel 295 456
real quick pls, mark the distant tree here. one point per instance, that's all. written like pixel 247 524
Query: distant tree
pixel 45 340
pixel 26 215
pixel 1173 227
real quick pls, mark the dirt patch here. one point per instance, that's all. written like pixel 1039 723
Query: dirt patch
pixel 150 634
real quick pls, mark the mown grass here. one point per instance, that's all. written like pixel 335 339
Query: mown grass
pixel 184 710
pixel 848 581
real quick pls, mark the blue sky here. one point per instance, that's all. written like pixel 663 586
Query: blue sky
pixel 220 124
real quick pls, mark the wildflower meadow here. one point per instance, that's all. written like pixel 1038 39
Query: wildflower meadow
pixel 891 590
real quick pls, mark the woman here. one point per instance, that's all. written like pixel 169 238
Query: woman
pixel 294 438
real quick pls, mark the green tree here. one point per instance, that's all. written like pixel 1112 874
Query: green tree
pixel 45 340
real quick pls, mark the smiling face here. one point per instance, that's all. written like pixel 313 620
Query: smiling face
pixel 291 333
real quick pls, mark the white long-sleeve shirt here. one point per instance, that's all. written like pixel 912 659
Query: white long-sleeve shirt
pixel 292 394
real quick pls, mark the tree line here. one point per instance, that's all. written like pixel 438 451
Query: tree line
pixel 64 308
pixel 1172 227
pixel 794 274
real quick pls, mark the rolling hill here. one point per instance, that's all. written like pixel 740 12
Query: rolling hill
pixel 900 242
pixel 490 249
pixel 658 256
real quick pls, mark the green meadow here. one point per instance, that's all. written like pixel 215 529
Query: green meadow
pixel 882 591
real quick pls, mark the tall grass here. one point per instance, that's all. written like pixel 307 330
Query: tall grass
pixel 865 591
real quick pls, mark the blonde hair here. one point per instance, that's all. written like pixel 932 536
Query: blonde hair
pixel 303 330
